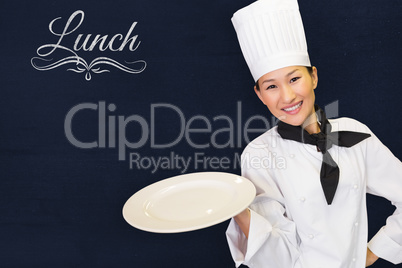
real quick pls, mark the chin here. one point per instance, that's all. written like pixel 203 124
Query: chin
pixel 293 121
pixel 296 124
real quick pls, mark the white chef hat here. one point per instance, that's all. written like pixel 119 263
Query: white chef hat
pixel 271 36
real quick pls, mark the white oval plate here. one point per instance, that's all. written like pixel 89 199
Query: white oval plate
pixel 188 202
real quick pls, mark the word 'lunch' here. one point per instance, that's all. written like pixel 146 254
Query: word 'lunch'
pixel 117 42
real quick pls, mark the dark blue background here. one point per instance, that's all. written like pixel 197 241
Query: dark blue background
pixel 61 205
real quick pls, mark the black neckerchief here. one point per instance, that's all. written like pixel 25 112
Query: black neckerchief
pixel 324 140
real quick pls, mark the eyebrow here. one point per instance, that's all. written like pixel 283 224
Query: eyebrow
pixel 289 74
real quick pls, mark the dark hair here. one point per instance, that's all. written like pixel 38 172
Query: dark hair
pixel 309 69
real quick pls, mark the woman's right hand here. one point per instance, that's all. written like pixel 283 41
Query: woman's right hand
pixel 371 258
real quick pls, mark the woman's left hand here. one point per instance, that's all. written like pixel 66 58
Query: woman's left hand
pixel 371 258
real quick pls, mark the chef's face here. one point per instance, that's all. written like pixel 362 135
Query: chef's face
pixel 289 93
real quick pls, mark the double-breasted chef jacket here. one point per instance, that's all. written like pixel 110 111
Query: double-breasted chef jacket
pixel 291 223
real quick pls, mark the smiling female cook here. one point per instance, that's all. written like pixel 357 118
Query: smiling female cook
pixel 312 213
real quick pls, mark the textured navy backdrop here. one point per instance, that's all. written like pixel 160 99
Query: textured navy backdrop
pixel 61 204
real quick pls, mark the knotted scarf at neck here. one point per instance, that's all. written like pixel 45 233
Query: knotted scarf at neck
pixel 329 174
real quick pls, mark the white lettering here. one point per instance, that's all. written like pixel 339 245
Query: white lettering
pixel 86 42
pixel 197 130
pixel 182 125
pixel 68 126
pixel 123 142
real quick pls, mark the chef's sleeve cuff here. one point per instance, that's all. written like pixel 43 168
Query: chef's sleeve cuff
pixel 386 248
pixel 260 230
pixel 243 249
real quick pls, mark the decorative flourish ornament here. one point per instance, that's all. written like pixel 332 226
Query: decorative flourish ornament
pixel 88 68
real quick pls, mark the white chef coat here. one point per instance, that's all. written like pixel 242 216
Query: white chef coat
pixel 291 223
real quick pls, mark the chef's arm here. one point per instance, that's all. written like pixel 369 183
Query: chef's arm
pixel 243 220
pixel 263 229
pixel 384 178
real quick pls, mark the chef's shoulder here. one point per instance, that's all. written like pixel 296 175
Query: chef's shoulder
pixel 263 143
pixel 348 124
